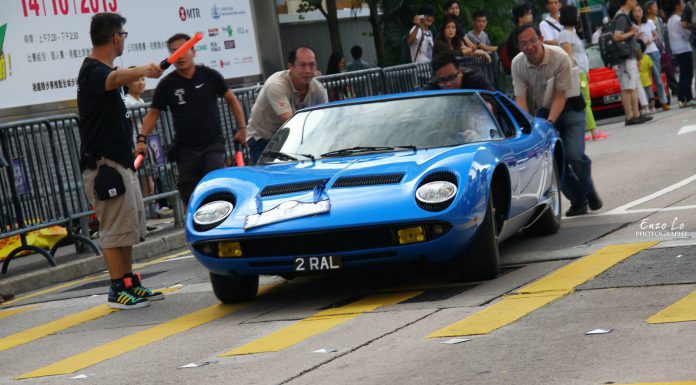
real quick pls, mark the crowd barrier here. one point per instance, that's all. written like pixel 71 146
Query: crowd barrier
pixel 40 180
pixel 39 184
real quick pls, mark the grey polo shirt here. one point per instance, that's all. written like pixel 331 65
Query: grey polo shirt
pixel 553 73
pixel 277 97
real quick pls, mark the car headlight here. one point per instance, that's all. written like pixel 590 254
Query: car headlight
pixel 213 212
pixel 436 192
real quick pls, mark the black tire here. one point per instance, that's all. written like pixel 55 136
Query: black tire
pixel 550 220
pixel 482 260
pixel 234 288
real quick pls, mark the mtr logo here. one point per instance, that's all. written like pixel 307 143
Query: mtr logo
pixel 191 13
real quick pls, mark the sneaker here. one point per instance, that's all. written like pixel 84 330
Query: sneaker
pixel 597 135
pixel 682 105
pixel 143 292
pixel 121 296
pixel 151 228
pixel 665 107
pixel 594 201
pixel 645 118
pixel 577 210
pixel 691 103
pixel 652 110
pixel 634 121
pixel 587 137
pixel 164 211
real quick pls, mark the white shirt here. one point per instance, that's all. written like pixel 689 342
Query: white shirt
pixel 130 101
pixel 579 55
pixel 425 55
pixel 647 29
pixel 678 36
pixel 549 32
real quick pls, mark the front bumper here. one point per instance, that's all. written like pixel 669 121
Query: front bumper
pixel 271 255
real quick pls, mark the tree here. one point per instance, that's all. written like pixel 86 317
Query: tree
pixel 397 15
pixel 375 22
pixel 331 15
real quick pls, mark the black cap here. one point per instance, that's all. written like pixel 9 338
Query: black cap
pixel 427 9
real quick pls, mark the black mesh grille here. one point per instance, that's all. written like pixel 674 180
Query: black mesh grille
pixel 287 188
pixel 325 242
pixel 218 196
pixel 368 180
pixel 446 176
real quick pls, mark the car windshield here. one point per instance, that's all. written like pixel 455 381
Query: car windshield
pixel 382 126
pixel 595 57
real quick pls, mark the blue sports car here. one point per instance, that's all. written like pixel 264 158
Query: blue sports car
pixel 435 175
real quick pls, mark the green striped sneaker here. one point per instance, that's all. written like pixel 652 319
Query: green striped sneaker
pixel 143 292
pixel 121 297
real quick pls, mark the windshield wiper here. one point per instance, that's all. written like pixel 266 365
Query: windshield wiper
pixel 287 156
pixel 354 150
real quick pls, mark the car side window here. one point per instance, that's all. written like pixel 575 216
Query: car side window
pixel 517 115
pixel 501 117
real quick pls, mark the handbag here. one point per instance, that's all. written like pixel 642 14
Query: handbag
pixel 108 183
pixel 666 63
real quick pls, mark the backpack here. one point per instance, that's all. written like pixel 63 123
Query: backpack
pixel 613 52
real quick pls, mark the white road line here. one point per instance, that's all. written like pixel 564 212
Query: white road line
pixel 642 200
pixel 686 130
pixel 638 211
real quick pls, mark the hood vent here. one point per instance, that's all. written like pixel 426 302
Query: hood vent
pixel 279 189
pixel 369 180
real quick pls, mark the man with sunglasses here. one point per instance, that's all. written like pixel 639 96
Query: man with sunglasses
pixel 449 75
pixel 543 73
pixel 106 155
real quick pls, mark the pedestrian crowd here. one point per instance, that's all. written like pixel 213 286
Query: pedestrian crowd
pixel 547 61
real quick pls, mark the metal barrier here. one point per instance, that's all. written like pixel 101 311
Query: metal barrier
pixel 391 80
pixel 36 183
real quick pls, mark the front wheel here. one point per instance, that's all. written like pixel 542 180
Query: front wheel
pixel 234 288
pixel 482 260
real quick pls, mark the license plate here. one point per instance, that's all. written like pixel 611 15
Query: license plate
pixel 612 99
pixel 323 263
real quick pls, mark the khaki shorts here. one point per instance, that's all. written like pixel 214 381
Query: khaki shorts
pixel 121 219
pixel 628 75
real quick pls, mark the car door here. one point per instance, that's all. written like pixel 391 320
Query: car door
pixel 526 145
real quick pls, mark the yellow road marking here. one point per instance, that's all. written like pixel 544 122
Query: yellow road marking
pixel 62 286
pixel 137 340
pixel 56 326
pixel 542 292
pixel 681 311
pixel 318 323
pixel 11 312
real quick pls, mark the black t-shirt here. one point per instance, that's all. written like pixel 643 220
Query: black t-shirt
pixel 193 103
pixel 104 127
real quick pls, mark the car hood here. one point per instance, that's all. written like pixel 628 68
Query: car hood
pixel 360 194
